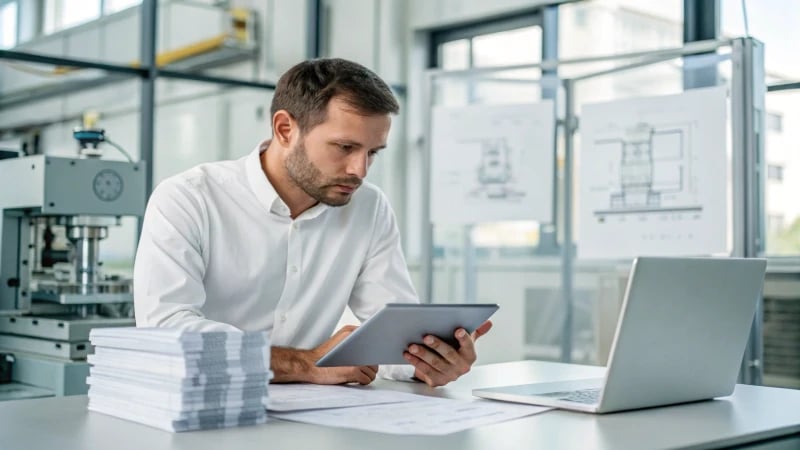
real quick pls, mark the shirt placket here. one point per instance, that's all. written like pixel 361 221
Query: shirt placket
pixel 284 325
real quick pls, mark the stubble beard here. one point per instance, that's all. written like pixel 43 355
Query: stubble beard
pixel 305 175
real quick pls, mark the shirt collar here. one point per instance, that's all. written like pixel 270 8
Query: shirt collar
pixel 265 192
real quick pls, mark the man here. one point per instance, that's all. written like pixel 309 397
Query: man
pixel 284 239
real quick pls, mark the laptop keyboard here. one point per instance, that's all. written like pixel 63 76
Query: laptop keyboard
pixel 587 396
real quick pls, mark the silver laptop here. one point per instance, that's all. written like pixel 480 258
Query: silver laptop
pixel 680 338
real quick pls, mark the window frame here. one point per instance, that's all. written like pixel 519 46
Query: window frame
pixel 472 30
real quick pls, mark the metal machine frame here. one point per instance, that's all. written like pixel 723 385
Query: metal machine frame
pixel 45 318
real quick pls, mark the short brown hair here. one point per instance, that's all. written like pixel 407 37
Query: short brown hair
pixel 305 90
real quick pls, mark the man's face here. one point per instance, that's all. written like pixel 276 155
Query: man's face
pixel 331 160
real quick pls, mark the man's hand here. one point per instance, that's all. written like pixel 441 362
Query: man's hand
pixel 292 365
pixel 437 363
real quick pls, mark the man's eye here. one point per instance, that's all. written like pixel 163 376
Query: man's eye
pixel 346 147
pixel 373 153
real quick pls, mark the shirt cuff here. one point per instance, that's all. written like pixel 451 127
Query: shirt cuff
pixel 398 372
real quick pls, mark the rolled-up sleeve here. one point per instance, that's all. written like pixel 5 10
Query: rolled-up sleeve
pixel 169 268
pixel 384 278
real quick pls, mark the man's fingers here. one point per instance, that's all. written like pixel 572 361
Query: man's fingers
pixel 353 374
pixel 429 356
pixel 438 363
pixel 423 370
pixel 442 348
pixel 367 377
pixel 371 371
pixel 481 330
pixel 467 349
pixel 362 375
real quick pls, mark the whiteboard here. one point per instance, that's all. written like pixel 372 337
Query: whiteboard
pixel 654 176
pixel 492 163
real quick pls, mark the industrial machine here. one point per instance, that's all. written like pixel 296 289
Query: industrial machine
pixel 54 214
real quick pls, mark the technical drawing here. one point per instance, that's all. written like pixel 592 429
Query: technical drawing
pixel 654 176
pixel 653 168
pixel 492 163
pixel 495 174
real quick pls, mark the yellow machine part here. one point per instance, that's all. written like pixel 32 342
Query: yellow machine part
pixel 240 18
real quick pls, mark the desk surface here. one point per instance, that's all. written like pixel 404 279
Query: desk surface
pixel 751 414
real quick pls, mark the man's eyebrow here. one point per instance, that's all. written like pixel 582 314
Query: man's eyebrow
pixel 347 142
pixel 355 143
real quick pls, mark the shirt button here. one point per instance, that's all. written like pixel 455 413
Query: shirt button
pixel 293 269
pixel 283 317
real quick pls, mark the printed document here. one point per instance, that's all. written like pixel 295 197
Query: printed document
pixel 424 415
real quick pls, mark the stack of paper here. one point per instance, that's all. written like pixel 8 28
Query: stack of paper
pixel 180 380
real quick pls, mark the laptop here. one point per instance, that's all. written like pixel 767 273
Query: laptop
pixel 681 335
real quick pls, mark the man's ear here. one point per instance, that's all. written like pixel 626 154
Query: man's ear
pixel 283 127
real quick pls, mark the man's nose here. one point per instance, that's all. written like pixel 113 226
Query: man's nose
pixel 358 164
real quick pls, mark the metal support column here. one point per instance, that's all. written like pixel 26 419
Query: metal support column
pixel 470 266
pixel 748 89
pixel 570 125
pixel 700 23
pixel 426 238
pixel 548 232
pixel 700 20
pixel 148 28
pixel 313 29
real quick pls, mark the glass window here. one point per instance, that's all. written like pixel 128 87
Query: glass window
pixel 455 55
pixel 516 46
pixel 782 154
pixel 8 25
pixel 775 172
pixel 773 22
pixel 774 122
pixel 112 6
pixel 775 223
pixel 506 48
pixel 60 14
pixel 76 12
pixel 605 27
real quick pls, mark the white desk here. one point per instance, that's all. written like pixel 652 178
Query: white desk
pixel 751 414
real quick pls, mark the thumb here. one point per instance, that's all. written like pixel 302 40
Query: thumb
pixel 481 330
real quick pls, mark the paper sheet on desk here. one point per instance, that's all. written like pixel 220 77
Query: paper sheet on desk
pixel 296 397
pixel 424 415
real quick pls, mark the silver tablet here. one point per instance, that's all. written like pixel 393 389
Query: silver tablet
pixel 384 337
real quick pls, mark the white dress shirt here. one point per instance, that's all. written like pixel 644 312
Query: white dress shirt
pixel 219 250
